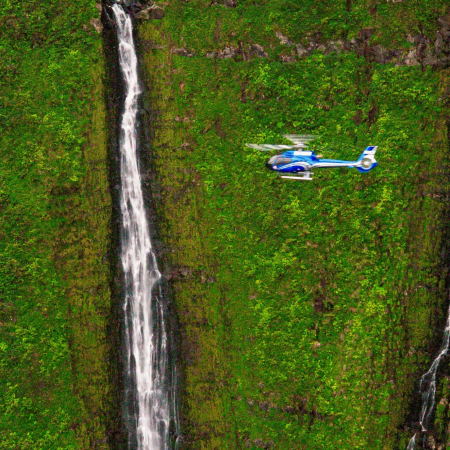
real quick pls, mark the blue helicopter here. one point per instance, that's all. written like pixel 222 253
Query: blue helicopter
pixel 300 162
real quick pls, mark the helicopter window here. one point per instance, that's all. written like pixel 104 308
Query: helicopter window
pixel 282 161
pixel 272 160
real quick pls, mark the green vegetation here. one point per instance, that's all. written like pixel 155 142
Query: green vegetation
pixel 54 226
pixel 308 311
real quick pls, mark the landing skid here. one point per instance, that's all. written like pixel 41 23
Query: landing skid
pixel 305 176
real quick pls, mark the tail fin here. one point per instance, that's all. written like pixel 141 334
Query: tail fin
pixel 367 159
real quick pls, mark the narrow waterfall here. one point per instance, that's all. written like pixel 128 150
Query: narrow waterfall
pixel 150 411
pixel 428 386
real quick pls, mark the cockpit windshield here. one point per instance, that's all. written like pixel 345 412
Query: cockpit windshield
pixel 281 161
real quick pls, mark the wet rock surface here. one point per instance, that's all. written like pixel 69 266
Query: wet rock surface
pixel 139 10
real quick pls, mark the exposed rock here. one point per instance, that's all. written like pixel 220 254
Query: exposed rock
pixel 430 58
pixel 381 54
pixel 421 46
pixel 227 53
pixel 290 410
pixel 439 43
pixel 183 119
pixel 288 58
pixel 411 58
pixel 151 12
pixel 176 274
pixel 313 45
pixel 283 39
pixel 301 51
pixel 264 406
pixel 171 274
pixel 182 52
pixel 185 271
pixel 422 50
pixel 442 43
pixel 107 19
pixel 431 443
pixel 334 46
pixel 410 39
pixel 98 27
pixel 258 51
pixel 226 3
pixel 324 48
pixel 261 444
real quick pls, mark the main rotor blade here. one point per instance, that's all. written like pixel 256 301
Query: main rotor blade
pixel 302 139
pixel 269 147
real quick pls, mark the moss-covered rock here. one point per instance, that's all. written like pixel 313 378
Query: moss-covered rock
pixel 326 300
pixel 55 228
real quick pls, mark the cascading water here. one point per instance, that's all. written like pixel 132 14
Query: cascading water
pixel 151 411
pixel 428 386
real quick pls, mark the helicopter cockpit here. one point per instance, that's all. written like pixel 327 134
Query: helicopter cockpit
pixel 278 160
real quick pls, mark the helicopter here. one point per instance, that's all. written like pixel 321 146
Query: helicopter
pixel 297 161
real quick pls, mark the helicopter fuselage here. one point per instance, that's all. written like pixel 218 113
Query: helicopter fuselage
pixel 304 161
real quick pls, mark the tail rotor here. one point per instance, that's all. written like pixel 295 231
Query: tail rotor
pixel 367 159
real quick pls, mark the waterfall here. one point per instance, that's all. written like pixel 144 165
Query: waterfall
pixel 428 385
pixel 412 443
pixel 150 404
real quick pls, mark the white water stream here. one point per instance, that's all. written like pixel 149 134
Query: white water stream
pixel 428 386
pixel 151 408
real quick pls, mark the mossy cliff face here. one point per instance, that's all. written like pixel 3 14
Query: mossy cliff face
pixel 55 228
pixel 307 311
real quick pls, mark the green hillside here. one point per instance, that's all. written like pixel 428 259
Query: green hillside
pixel 308 311
pixel 55 211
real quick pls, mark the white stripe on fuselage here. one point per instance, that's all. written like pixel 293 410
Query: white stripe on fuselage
pixel 309 166
pixel 337 164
